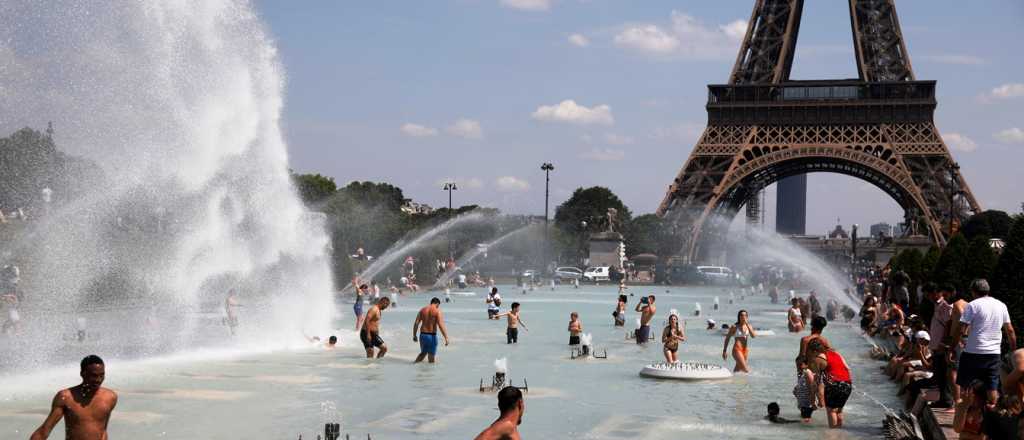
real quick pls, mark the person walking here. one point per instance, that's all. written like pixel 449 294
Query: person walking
pixel 742 331
pixel 984 319
pixel 671 337
pixel 428 322
pixel 836 382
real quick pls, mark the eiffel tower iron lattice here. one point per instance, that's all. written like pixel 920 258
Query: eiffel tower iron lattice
pixel 763 127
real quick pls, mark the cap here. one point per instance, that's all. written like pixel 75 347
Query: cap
pixel 921 334
pixel 711 321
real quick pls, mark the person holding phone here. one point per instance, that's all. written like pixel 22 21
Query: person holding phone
pixel 647 309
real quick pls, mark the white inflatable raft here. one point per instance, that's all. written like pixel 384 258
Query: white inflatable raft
pixel 686 371
pixel 462 293
pixel 760 331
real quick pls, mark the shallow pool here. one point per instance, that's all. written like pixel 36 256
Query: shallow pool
pixel 225 394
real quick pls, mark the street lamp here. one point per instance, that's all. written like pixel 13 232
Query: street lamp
pixel 583 242
pixel 449 186
pixel 547 168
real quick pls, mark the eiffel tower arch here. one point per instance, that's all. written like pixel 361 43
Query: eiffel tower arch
pixel 763 127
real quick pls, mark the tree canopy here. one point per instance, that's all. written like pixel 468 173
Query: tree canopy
pixel 30 161
pixel 1008 276
pixel 990 223
pixel 591 205
pixel 952 264
pixel 313 188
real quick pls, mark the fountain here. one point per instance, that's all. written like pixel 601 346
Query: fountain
pixel 476 251
pixel 715 306
pixel 404 246
pixel 182 110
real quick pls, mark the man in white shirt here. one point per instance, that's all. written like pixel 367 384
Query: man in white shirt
pixel 985 318
pixel 493 303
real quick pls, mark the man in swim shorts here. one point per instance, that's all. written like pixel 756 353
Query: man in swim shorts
pixel 370 333
pixel 647 310
pixel 428 321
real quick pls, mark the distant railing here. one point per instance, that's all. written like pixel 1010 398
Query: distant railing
pixel 910 92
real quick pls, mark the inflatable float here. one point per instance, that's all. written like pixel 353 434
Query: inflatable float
pixel 461 293
pixel 686 371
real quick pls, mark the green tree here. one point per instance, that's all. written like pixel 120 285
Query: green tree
pixel 980 259
pixel 990 223
pixel 1008 275
pixel 313 188
pixel 591 205
pixel 650 234
pixel 931 258
pixel 30 161
pixel 952 264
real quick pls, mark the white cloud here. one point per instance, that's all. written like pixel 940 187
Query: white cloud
pixel 527 5
pixel 569 111
pixel 1011 136
pixel 417 130
pixel 686 37
pixel 604 154
pixel 735 30
pixel 1007 91
pixel 463 182
pixel 960 142
pixel 465 128
pixel 579 40
pixel 511 184
pixel 966 60
pixel 616 139
pixel 647 38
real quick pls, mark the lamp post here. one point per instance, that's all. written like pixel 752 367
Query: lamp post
pixel 449 186
pixel 547 167
pixel 954 189
pixel 583 242
pixel 853 247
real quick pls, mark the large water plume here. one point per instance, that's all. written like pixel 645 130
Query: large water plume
pixel 180 103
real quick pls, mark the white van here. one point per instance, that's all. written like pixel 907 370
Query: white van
pixel 594 274
pixel 717 274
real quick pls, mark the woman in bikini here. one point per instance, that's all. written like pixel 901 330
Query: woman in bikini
pixel 742 332
pixel 795 317
pixel 671 337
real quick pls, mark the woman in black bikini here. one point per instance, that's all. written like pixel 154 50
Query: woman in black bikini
pixel 671 337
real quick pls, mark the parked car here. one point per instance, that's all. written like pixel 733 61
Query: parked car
pixel 567 274
pixel 717 274
pixel 685 274
pixel 594 274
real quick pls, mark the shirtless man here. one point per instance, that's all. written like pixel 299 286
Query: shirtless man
pixel 431 319
pixel 370 333
pixel 85 408
pixel 512 406
pixel 647 310
pixel 512 332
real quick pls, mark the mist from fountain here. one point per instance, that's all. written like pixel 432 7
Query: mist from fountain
pixel 476 251
pixel 769 246
pixel 404 246
pixel 180 103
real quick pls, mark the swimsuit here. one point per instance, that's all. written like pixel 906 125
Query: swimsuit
pixel 358 306
pixel 742 335
pixel 370 339
pixel 513 335
pixel 428 343
pixel 642 334
pixel 574 340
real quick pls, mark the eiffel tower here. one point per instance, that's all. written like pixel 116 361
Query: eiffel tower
pixel 763 127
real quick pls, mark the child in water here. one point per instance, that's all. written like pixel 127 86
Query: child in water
pixel 804 389
pixel 512 332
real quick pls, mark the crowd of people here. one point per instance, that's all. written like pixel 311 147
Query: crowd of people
pixel 961 345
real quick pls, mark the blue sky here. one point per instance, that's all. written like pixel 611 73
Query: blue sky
pixel 612 92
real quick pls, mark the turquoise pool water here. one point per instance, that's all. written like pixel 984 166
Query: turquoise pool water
pixel 242 392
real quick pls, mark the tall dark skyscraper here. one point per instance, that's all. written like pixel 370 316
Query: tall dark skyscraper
pixel 791 205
